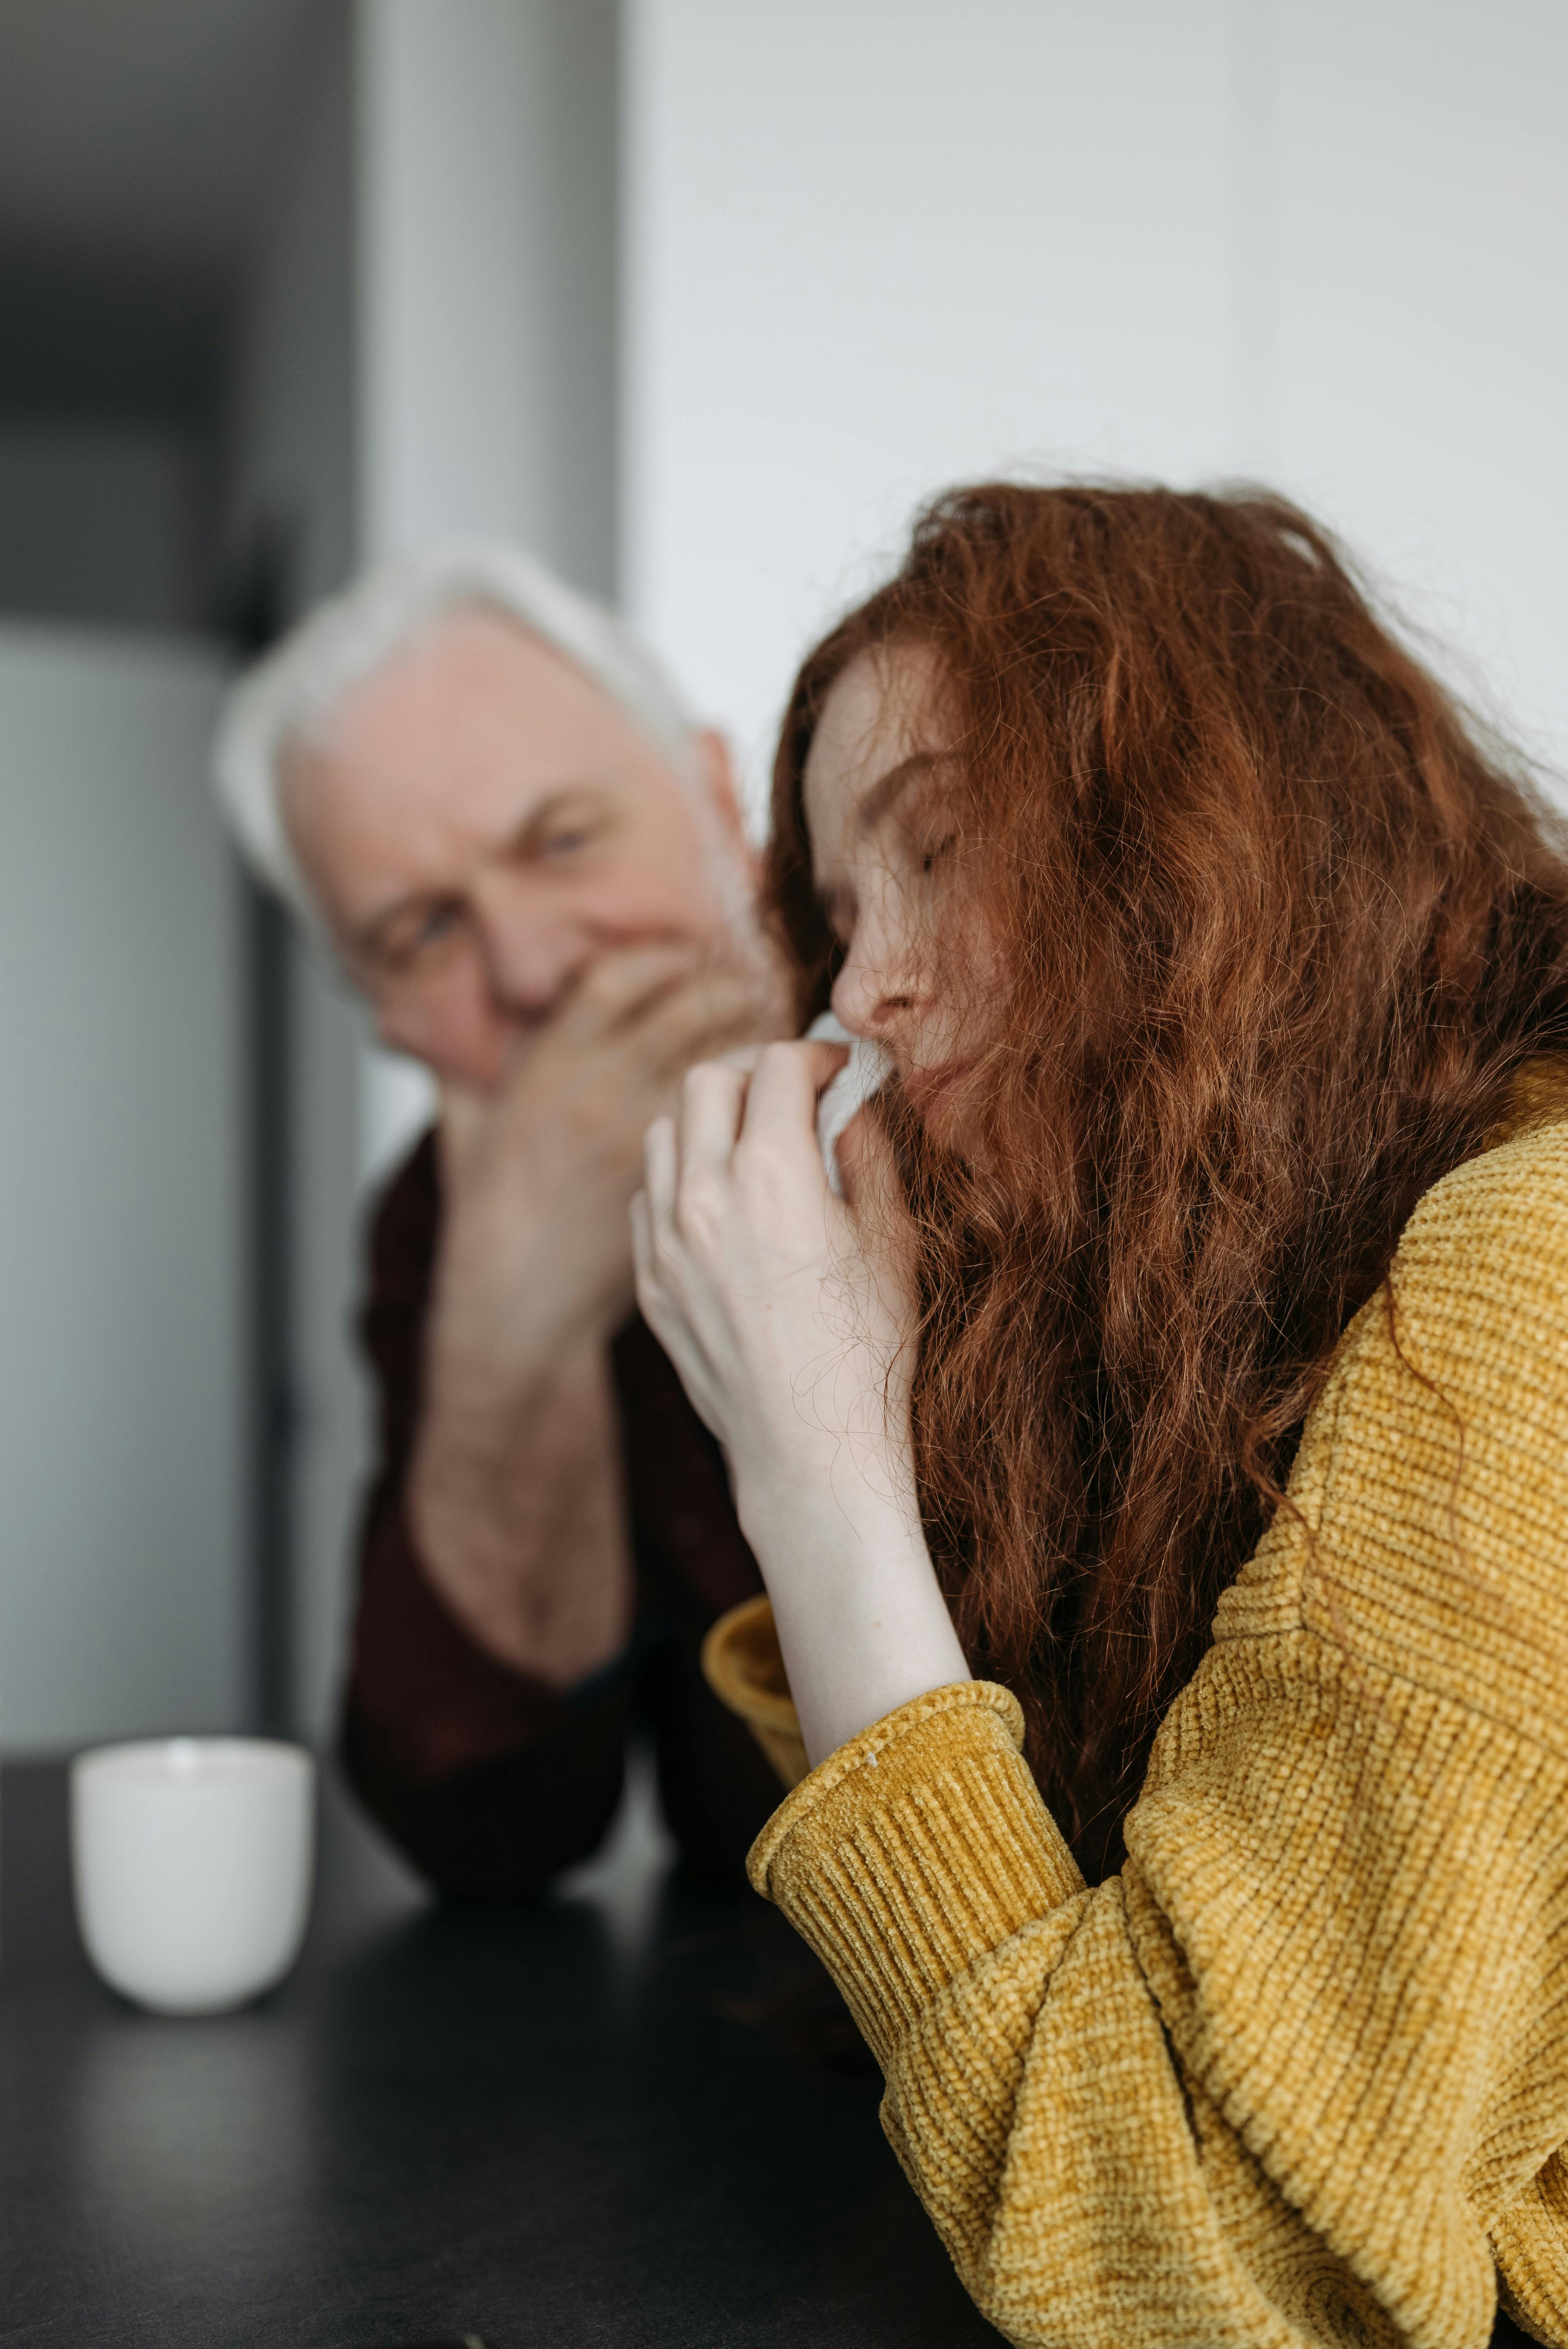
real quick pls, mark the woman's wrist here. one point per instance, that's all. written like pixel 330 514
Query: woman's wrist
pixel 826 1510
pixel 861 1617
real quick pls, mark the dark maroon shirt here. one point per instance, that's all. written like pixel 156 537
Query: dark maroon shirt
pixel 489 1781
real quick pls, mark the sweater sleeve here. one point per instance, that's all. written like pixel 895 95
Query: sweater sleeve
pixel 1299 2074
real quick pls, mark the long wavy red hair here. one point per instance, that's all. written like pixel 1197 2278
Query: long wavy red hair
pixel 1280 925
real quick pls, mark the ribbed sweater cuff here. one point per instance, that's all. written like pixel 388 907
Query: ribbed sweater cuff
pixel 914 1850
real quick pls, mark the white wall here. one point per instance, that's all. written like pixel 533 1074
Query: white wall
pixel 488 224
pixel 871 249
pixel 123 1602
pixel 1420 378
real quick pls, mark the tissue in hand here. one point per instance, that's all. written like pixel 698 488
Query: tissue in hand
pixel 867 1068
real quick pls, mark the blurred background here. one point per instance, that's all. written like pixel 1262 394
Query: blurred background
pixel 697 300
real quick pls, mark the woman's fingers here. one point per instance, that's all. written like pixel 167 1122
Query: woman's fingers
pixel 867 1163
pixel 873 1189
pixel 652 1212
pixel 661 1307
pixel 661 1164
pixel 875 1198
pixel 688 1213
pixel 641 1247
pixel 781 1104
pixel 712 1098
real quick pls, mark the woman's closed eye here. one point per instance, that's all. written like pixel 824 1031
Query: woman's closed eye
pixel 925 828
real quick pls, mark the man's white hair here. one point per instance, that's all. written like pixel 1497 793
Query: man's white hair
pixel 293 693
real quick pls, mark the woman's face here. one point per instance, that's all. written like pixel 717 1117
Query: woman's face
pixel 879 801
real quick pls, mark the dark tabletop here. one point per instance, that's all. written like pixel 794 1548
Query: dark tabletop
pixel 632 2115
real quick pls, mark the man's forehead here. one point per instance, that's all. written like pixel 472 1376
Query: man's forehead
pixel 467 722
pixel 410 796
pixel 459 664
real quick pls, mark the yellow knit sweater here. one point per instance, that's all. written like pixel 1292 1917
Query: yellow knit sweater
pixel 1300 2073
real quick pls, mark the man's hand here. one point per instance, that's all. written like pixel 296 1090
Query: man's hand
pixel 515 1495
pixel 537 1177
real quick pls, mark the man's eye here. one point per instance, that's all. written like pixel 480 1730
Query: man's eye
pixel 569 843
pixel 438 924
pixel 404 950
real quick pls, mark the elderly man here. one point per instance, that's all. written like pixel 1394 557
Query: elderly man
pixel 482 793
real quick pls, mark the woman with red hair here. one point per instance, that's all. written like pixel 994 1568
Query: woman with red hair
pixel 1159 1465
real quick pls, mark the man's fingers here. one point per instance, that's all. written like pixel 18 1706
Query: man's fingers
pixel 665 1004
pixel 697 1020
pixel 618 986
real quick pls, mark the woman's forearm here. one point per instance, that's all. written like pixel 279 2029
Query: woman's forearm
pixel 794 1345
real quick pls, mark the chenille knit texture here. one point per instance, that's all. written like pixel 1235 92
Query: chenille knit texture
pixel 1298 2073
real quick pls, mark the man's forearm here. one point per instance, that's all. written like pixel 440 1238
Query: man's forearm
pixel 516 1504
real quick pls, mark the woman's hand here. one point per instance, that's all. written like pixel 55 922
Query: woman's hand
pixel 793 1339
pixel 755 1277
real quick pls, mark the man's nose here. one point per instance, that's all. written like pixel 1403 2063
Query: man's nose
pixel 530 963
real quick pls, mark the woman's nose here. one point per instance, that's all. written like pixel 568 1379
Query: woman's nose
pixel 877 989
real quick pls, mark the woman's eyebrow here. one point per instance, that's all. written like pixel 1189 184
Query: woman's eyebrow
pixel 884 793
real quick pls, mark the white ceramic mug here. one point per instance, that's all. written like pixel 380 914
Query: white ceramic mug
pixel 192 1861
